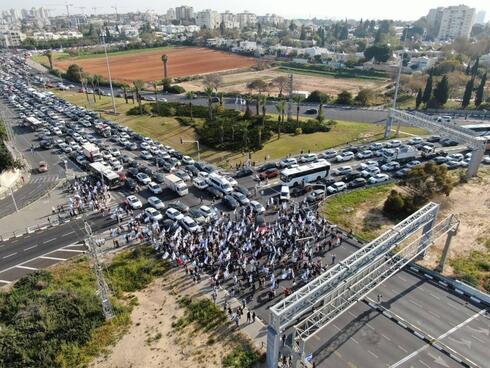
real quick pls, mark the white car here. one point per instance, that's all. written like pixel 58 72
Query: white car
pixel 310 157
pixel 187 160
pixel 394 143
pixel 200 183
pixel 232 181
pixel 189 224
pixel 456 157
pixel 368 163
pixel 486 160
pixel 114 152
pixel 415 140
pixel 174 214
pixel 414 163
pixel 288 162
pixel 144 145
pixel 390 166
pixel 257 207
pixel 378 178
pixel 153 214
pixel 133 202
pixel 345 156
pixel 343 170
pixel 208 212
pixel 370 171
pixel 106 155
pixel 143 178
pixel 156 203
pixel 337 187
pixel 113 162
pixel 365 154
pixel 154 187
pixel 146 155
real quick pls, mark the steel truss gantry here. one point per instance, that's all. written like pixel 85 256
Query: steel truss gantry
pixel 356 287
pixel 310 297
pixel 462 135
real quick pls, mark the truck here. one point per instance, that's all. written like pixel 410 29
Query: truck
pixel 92 152
pixel 176 184
pixel 400 154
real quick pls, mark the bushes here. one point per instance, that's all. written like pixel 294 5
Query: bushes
pixel 203 312
pixel 176 89
pixel 243 356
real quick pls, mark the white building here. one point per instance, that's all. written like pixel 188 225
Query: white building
pixel 480 17
pixel 246 19
pixel 170 14
pixel 271 19
pixel 230 20
pixel 451 22
pixel 184 13
pixel 208 18
pixel 11 38
pixel 129 31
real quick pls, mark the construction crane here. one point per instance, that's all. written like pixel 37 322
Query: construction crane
pixel 66 5
pixel 115 8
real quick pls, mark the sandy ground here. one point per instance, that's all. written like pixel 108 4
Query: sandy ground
pixel 148 66
pixel 237 82
pixel 152 342
pixel 470 202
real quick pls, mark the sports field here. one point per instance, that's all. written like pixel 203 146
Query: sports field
pixel 147 64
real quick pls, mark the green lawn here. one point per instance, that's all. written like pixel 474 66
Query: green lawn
pixel 475 268
pixel 343 210
pixel 324 74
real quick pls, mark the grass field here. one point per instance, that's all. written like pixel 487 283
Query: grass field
pixel 169 131
pixel 320 73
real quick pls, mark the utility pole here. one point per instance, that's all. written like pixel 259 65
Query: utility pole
pixel 389 122
pixel 198 150
pixel 290 99
pixel 109 73
pixel 103 289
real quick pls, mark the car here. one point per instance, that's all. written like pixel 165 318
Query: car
pixel 370 171
pixel 315 195
pixel 412 164
pixel 285 194
pixel 267 166
pixel 390 166
pixel 241 198
pixel 132 172
pixel 153 214
pixel 189 224
pixel 344 156
pixel 378 178
pixel 451 165
pixel 156 203
pixel 146 155
pixel 486 160
pixel 231 180
pixel 230 202
pixel 197 216
pixel 434 138
pixel 311 112
pixel 130 184
pixel 133 202
pixel 364 154
pixel 376 146
pixel 343 170
pixel 415 140
pixel 215 193
pixel 347 178
pixel 43 167
pixel 441 159
pixel 243 190
pixel 178 205
pixel 368 164
pixel 456 157
pixel 132 146
pixel 143 178
pixel 336 187
pixel 243 172
pixel 446 142
pixel 257 207
pixel 208 212
pixel 330 153
pixel 402 172
pixel 269 174
pixel 158 177
pixel 183 175
pixel 357 183
pixel 174 214
pixel 309 157
pixel 154 188
pixel 287 162
pixel 200 183
pixel 187 160
pixel 114 152
pixel 394 143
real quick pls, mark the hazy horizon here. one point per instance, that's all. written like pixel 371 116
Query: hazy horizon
pixel 375 9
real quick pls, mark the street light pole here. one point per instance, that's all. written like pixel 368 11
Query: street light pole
pixel 109 73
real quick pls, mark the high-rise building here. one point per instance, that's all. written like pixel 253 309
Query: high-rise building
pixel 246 19
pixel 208 18
pixel 171 14
pixel 451 22
pixel 184 13
pixel 230 20
pixel 480 17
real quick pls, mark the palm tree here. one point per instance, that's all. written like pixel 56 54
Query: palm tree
pixel 125 88
pixel 97 80
pixel 221 95
pixel 91 80
pixel 164 61
pixel 84 82
pixel 298 99
pixel 209 92
pixel 49 55
pixel 155 90
pixel 320 109
pixel 281 106
pixel 190 96
pixel 263 102
pixel 257 104
pixel 138 87
pixel 248 98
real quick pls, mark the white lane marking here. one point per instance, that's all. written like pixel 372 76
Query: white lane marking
pixel 5 282
pixel 435 297
pixel 424 364
pixel 337 328
pixel 49 241
pixel 477 339
pixel 71 232
pixel 401 278
pixel 70 250
pixel 27 268
pixel 374 355
pixel 54 258
pixel 386 337
pixel 34 246
pixel 402 348
pixel 415 303
pixel 10 255
pixel 371 327
pixel 434 314
pixel 354 340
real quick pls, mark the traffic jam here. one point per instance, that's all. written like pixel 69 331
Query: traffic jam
pixel 173 188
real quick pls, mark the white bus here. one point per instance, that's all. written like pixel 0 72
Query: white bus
pixel 307 173
pixel 110 178
pixel 33 122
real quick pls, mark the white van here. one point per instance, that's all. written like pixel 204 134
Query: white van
pixel 220 183
pixel 285 196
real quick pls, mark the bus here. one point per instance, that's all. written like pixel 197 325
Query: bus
pixel 32 122
pixel 109 177
pixel 307 173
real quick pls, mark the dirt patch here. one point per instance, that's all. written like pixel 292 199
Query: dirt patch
pixel 237 82
pixel 148 66
pixel 152 341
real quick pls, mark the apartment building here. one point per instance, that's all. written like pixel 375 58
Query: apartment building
pixel 208 18
pixel 450 22
pixel 11 38
pixel 246 19
pixel 184 13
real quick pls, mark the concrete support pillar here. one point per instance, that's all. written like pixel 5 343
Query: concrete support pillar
pixel 445 251
pixel 476 157
pixel 389 124
pixel 273 345
pixel 427 233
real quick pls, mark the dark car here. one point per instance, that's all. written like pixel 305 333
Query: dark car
pixel 352 176
pixel 448 142
pixel 267 166
pixel 269 174
pixel 311 112
pixel 215 193
pixel 230 202
pixel 182 207
pixel 147 170
pixel 297 191
pixel 130 184
pixel 192 169
pixel 197 215
pixel 357 183
pixel 246 171
pixel 126 159
pixel 132 172
pixel 434 138
pixel 328 181
pixel 242 190
pixel 158 177
pixel 170 225
pixel 46 144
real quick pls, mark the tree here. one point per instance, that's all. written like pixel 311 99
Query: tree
pixel 468 69
pixel 364 97
pixel 302 35
pixel 344 98
pixel 292 26
pixel 137 88
pixel 222 28
pixel 317 96
pixel 281 83
pixel 125 88
pixel 165 61
pixel 474 68
pixel 49 55
pixel 441 92
pixel 467 93
pixel 394 204
pixel 427 90
pixel 74 73
pixel 166 83
pixel 97 80
pixel 298 99
pixel 209 92
pixel 258 85
pixel 320 116
pixel 281 107
pixel 380 53
pixel 213 81
pixel 418 99
pixel 480 91
pixel 190 96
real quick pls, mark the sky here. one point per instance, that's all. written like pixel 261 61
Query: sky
pixel 354 9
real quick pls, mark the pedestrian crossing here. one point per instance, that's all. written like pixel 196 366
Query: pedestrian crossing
pixel 44 179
